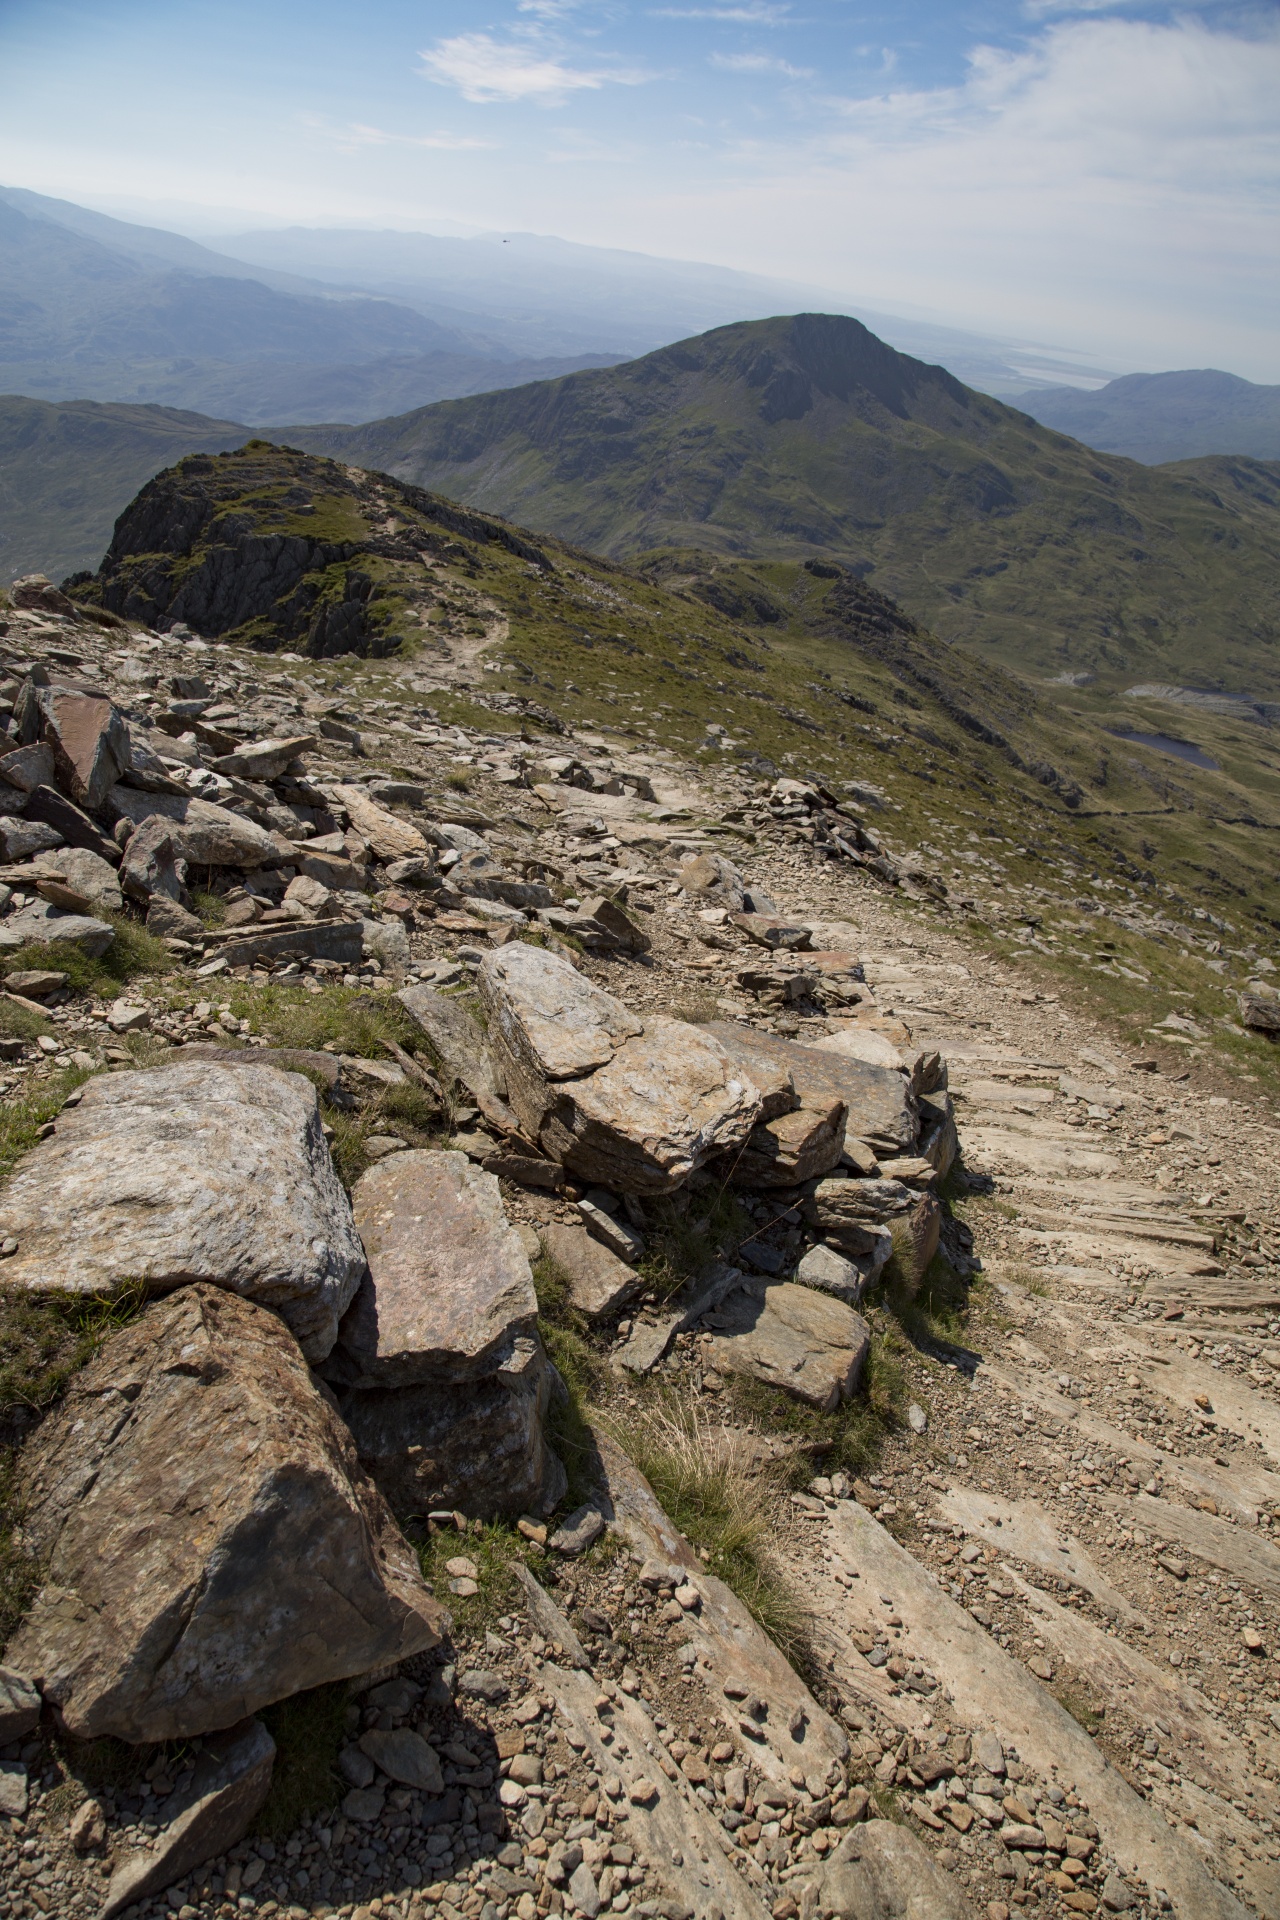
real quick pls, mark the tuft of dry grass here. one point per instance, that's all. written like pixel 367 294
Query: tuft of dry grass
pixel 712 1482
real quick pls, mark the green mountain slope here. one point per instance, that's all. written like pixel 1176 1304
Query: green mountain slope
pixel 782 438
pixel 1155 417
pixel 67 470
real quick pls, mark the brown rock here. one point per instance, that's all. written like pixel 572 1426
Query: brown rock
pixel 880 1871
pixel 203 834
pixel 458 1043
pixel 28 767
pixel 809 1344
pixel 881 1108
pixel 89 741
pixel 210 1542
pixel 599 1283
pixel 716 879
pixel 390 837
pixel 169 921
pixel 150 865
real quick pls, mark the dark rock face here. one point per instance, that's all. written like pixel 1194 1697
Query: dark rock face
pixel 283 550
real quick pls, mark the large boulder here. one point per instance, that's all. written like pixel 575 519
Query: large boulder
pixel 150 866
pixel 881 1107
pixel 390 837
pixel 712 877
pixel 795 1139
pixel 854 1216
pixel 208 1539
pixel 881 1871
pixel 43 924
pixel 809 1344
pixel 634 1105
pixel 458 1042
pixel 188 1173
pixel 202 833
pixel 443 1379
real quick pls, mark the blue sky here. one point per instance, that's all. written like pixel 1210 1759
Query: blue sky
pixel 1096 175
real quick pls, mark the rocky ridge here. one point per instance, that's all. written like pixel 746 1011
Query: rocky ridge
pixel 613 1739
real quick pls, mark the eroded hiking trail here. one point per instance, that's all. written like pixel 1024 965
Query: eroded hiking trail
pixel 1017 1559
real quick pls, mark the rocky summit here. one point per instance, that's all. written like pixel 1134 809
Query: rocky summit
pixel 583 1330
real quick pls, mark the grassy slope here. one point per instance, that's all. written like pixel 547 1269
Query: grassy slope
pixel 67 470
pixel 780 438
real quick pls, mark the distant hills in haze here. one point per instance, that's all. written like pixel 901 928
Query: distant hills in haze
pixel 1156 417
pixel 778 439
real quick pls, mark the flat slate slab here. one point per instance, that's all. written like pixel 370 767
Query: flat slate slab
pixel 194 1172
pixel 809 1344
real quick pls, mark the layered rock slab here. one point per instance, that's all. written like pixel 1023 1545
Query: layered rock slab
pixel 634 1105
pixel 210 1542
pixel 190 1173
pixel 881 1108
pixel 443 1379
pixel 807 1343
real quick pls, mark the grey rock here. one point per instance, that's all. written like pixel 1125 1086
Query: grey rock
pixel 610 1232
pixel 230 1782
pixel 19 839
pixel 855 1214
pixel 458 1043
pixel 390 837
pixel 448 1287
pixel 44 924
pixel 584 1524
pixel 28 767
pixel 404 1756
pixel 599 1283
pixel 69 820
pixel 202 833
pixel 548 1619
pixel 169 921
pixel 151 865
pixel 830 1272
pixel 807 1343
pixel 265 1563
pixel 341 940
pixel 917 1418
pixel 364 1805
pixel 389 942
pixel 90 876
pixel 13 1789
pixel 634 1106
pixel 1116 1897
pixel 988 1751
pixel 355 1766
pixel 478 1683
pixel 159 1177
pixel 713 878
pixel 88 1829
pixel 19 1706
pixel 583 1891
pixel 264 759
pixel 880 1871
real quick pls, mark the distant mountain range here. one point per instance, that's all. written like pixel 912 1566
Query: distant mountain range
pixel 94 308
pixel 786 438
pixel 1155 417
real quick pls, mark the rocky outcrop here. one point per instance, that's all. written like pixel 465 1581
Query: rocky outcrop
pixel 881 1107
pixel 201 832
pixel 856 1215
pixel 634 1105
pixel 442 1377
pixel 209 1540
pixel 190 1173
pixel 881 1871
pixel 599 1282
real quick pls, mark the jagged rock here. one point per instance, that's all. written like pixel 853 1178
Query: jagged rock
pixel 14 1788
pixel 203 1818
pixel 390 837
pixel 89 740
pixel 795 1140
pixel 37 591
pixel 881 1107
pixel 1260 1014
pixel 88 1829
pixel 714 878
pixel 46 924
pixel 880 1871
pixel 209 1540
pixel 830 1272
pixel 69 821
pixel 633 1106
pixel 28 767
pixel 863 1043
pixel 202 833
pixel 341 940
pixel 807 1343
pixel 458 1043
pixel 90 879
pixel 150 866
pixel 854 1214
pixel 264 759
pixel 389 941
pixel 444 1381
pixel 404 1756
pixel 939 1142
pixel 19 839
pixel 19 1706
pixel 190 1172
pixel 599 1283
pixel 578 1530
pixel 768 930
pixel 170 921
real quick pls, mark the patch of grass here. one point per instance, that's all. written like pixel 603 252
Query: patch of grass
pixel 710 1483
pixel 851 1437
pixel 133 954
pixel 492 1551
pixel 21 1023
pixel 1077 1705
pixel 345 1019
pixel 210 908
pixel 583 1373
pixel 25 1112
pixel 689 1230
pixel 697 1009
pixel 308 1731
pixel 458 781
pixel 935 1311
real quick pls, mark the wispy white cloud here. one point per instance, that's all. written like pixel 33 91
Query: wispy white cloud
pixel 354 136
pixel 759 63
pixel 486 70
pixel 755 13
